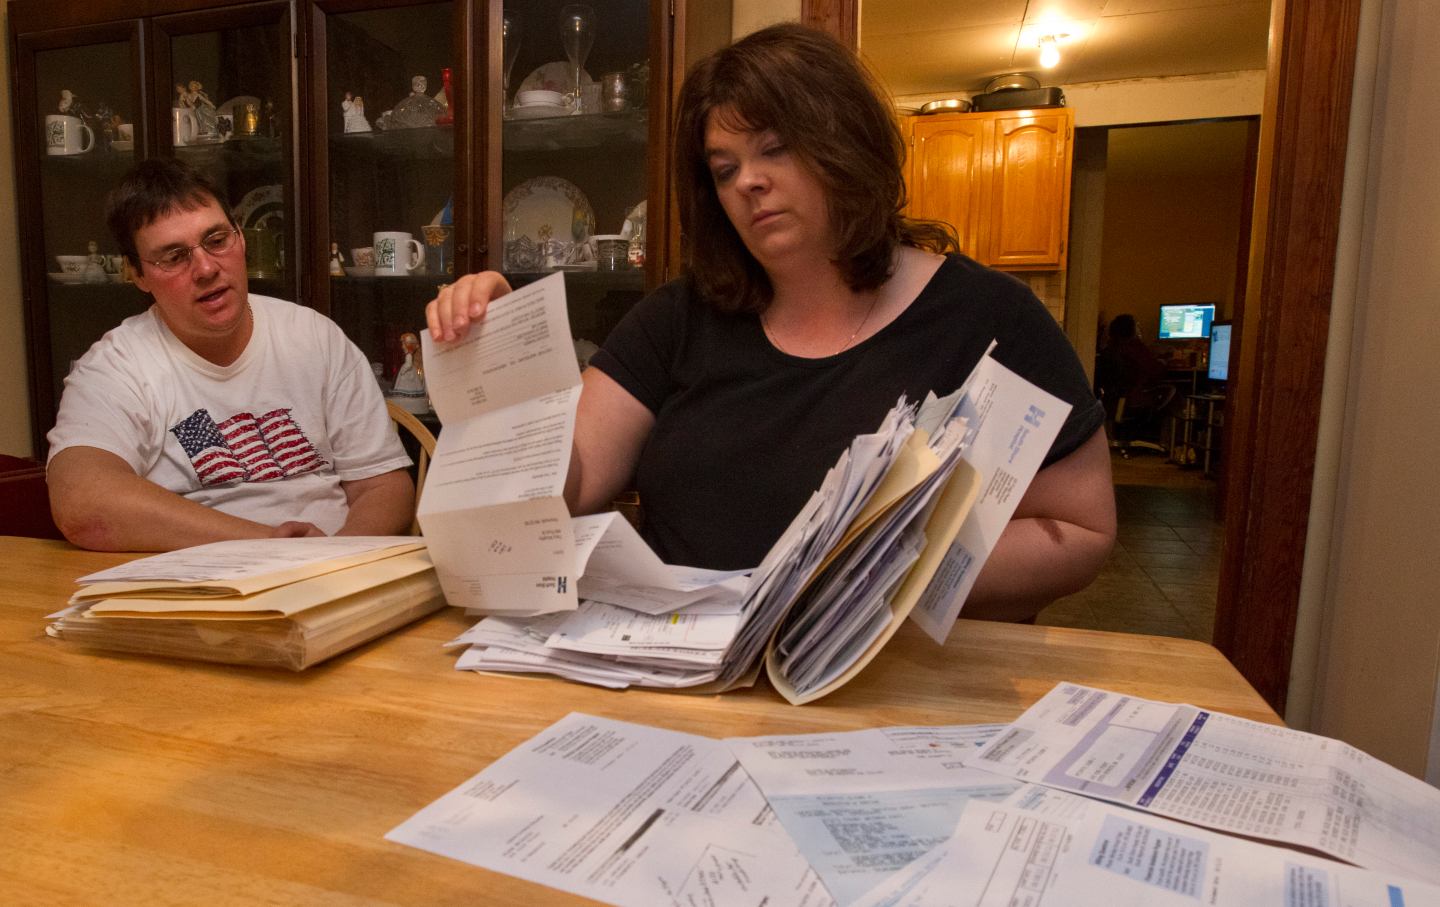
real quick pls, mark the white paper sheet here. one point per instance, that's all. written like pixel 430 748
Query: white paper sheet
pixel 493 512
pixel 1047 847
pixel 1011 424
pixel 243 558
pixel 1227 773
pixel 622 813
pixel 862 805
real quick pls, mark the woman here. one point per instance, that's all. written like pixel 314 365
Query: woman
pixel 809 305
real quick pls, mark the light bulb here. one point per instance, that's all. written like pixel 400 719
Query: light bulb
pixel 1049 52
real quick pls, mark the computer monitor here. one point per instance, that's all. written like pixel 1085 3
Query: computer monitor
pixel 1219 352
pixel 1185 321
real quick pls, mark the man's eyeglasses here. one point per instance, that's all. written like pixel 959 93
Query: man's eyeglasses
pixel 216 244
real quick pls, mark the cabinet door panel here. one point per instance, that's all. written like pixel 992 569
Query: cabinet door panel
pixel 1030 195
pixel 947 179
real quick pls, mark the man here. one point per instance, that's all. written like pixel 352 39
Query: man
pixel 216 414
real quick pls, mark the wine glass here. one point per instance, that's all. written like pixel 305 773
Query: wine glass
pixel 510 32
pixel 577 34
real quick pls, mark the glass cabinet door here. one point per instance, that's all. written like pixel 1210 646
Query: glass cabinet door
pixel 575 155
pixel 224 104
pixel 83 101
pixel 389 127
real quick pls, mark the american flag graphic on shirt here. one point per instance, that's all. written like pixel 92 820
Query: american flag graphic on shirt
pixel 246 447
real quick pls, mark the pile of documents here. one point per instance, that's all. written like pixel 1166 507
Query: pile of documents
pixel 276 602
pixel 957 816
pixel 900 527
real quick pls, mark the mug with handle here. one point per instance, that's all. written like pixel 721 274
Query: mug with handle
pixel 183 125
pixel 397 254
pixel 65 134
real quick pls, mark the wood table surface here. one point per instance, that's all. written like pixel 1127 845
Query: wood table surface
pixel 132 780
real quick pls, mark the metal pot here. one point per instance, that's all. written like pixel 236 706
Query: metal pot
pixel 1011 81
pixel 949 105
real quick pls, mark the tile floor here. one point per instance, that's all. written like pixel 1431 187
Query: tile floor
pixel 1161 576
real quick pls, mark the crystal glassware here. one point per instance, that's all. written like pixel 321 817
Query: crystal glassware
pixel 577 35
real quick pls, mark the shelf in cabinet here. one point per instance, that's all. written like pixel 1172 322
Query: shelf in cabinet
pixel 563 133
pixel 426 143
pixel 99 162
pixel 628 279
pixel 251 153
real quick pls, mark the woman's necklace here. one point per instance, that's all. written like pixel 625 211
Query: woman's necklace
pixel 769 332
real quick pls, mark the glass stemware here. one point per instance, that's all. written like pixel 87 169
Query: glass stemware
pixel 577 35
pixel 510 33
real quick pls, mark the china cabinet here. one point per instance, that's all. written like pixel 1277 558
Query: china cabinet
pixel 1001 178
pixel 450 130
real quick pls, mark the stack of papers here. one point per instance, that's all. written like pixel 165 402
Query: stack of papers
pixel 932 816
pixel 277 602
pixel 900 526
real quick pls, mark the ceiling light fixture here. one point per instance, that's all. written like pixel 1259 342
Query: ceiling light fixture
pixel 1050 50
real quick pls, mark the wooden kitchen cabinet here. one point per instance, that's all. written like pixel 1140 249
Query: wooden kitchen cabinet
pixel 1001 178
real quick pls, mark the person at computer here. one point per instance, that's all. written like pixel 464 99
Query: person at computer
pixel 1127 368
pixel 809 305
pixel 216 413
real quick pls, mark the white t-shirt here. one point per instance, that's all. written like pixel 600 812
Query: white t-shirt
pixel 269 437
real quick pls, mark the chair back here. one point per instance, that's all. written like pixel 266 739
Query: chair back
pixel 25 500
pixel 426 443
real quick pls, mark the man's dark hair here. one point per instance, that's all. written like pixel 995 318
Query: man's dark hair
pixel 150 190
pixel 826 105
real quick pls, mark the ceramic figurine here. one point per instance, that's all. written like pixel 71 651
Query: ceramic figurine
pixel 193 96
pixel 337 261
pixel 94 264
pixel 410 379
pixel 353 108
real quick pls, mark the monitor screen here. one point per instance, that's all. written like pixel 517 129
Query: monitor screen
pixel 1219 351
pixel 1185 321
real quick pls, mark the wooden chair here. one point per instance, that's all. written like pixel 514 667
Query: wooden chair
pixel 424 440
pixel 25 500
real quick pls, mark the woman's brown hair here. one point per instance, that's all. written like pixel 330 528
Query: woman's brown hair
pixel 830 110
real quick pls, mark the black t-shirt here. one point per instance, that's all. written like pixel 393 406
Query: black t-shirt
pixel 744 433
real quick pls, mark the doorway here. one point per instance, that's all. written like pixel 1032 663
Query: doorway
pixel 1159 218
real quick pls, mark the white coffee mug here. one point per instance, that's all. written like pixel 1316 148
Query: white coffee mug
pixel 397 254
pixel 183 125
pixel 65 134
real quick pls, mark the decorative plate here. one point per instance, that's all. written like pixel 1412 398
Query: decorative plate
pixel 554 77
pixel 261 205
pixel 540 211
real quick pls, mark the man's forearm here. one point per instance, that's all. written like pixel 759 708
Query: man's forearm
pixel 380 505
pixel 133 514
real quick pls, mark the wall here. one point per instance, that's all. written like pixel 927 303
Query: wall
pixel 1379 624
pixel 1171 224
pixel 15 436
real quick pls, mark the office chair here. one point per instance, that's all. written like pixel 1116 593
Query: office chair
pixel 1133 416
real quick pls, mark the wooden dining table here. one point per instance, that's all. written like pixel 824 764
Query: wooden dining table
pixel 134 780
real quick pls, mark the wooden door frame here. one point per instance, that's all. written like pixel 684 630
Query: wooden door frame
pixel 1274 407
